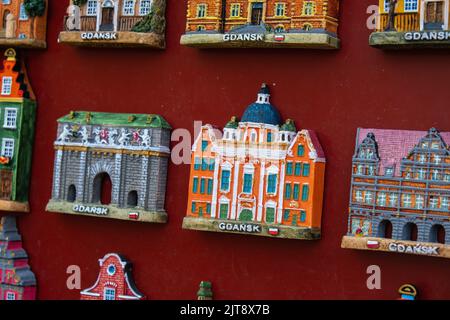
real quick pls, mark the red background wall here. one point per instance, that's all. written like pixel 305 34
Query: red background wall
pixel 332 92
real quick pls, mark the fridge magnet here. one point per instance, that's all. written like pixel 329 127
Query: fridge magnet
pixel 17 118
pixel 261 177
pixel 262 24
pixel 24 23
pixel 111 165
pixel 407 292
pixel 115 23
pixel 412 24
pixel 114 282
pixel 17 280
pixel 400 192
pixel 205 291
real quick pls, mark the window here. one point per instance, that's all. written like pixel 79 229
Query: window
pixel 444 203
pixel 223 211
pixel 406 200
pixel 289 168
pixel 437 159
pixel 208 208
pixel 307 27
pixel 201 28
pixel 197 163
pixel 71 193
pixel 202 185
pixel 411 5
pixel 270 215
pixel 201 11
pixel 269 137
pixel 10 118
pixel 360 169
pixel 225 180
pixel 272 183
pixel 195 185
pixel 212 165
pixel 359 196
pixel 296 191
pixel 235 10
pixel 306 170
pixel 204 164
pixel 109 294
pixel 305 192
pixel 91 8
pixel 210 186
pixel 23 13
pixel 128 8
pixel 302 215
pixel 433 202
pixel 288 191
pixel 389 172
pixel 371 170
pixel 145 7
pixel 422 173
pixel 298 169
pixel 248 182
pixel 10 296
pixel 279 29
pixel 419 202
pixel 8 147
pixel 386 5
pixel 309 8
pixel 6 1
pixel 133 199
pixel 287 213
pixel 435 175
pixel 301 150
pixel 6 86
pixel 393 199
pixel 280 9
pixel 368 197
pixel 381 199
pixel 193 207
pixel 204 145
pixel 111 270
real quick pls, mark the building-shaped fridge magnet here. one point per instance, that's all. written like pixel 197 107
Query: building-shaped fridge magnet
pixel 23 23
pixel 400 192
pixel 114 282
pixel 262 23
pixel 17 118
pixel 115 23
pixel 412 23
pixel 262 177
pixel 17 281
pixel 111 165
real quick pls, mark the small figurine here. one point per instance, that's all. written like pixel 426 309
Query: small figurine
pixel 115 23
pixel 412 23
pixel 205 291
pixel 24 23
pixel 262 177
pixel 114 282
pixel 399 198
pixel 17 281
pixel 262 24
pixel 105 167
pixel 18 113
pixel 407 292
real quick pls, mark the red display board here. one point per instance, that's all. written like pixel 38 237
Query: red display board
pixel 332 92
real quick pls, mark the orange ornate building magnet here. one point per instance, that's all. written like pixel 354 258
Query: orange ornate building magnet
pixel 262 177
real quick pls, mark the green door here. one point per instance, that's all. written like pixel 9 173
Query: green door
pixel 246 215
pixel 295 220
pixel 200 212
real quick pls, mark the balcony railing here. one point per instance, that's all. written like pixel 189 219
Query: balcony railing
pixel 403 22
pixel 89 23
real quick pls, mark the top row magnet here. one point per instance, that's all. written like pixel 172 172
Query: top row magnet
pixel 223 24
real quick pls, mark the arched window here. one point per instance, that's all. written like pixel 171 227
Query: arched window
pixel 132 200
pixel 279 29
pixel 71 193
pixel 307 27
pixel 385 229
pixel 410 232
pixel 437 234
pixel 5 15
pixel 246 215
pixel 102 189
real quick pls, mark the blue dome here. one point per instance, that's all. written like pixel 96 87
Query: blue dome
pixel 261 113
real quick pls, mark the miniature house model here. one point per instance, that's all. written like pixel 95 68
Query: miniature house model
pixel 117 23
pixel 111 165
pixel 262 177
pixel 114 282
pixel 262 23
pixel 400 192
pixel 17 117
pixel 412 23
pixel 23 25
pixel 17 280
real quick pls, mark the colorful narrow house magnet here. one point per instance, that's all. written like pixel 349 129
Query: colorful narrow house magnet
pixel 114 282
pixel 111 165
pixel 17 280
pixel 412 23
pixel 261 177
pixel 115 23
pixel 400 192
pixel 23 24
pixel 262 23
pixel 17 118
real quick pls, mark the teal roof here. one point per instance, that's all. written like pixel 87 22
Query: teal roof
pixel 116 119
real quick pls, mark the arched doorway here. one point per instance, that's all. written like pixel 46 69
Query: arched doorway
pixel 437 234
pixel 102 189
pixel 71 193
pixel 107 22
pixel 246 215
pixel 132 200
pixel 385 229
pixel 5 15
pixel 434 15
pixel 410 232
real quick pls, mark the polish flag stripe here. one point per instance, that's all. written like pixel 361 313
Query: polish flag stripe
pixel 133 215
pixel 279 37
pixel 372 244
pixel 273 231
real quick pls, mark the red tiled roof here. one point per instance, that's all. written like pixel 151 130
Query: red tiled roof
pixel 316 143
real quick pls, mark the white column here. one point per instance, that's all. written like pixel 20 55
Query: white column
pixel 261 191
pixel 116 188
pixel 422 14
pixel 446 13
pixel 57 175
pixel 143 198
pixel 281 193
pixel 99 15
pixel 82 177
pixel 235 190
pixel 215 187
